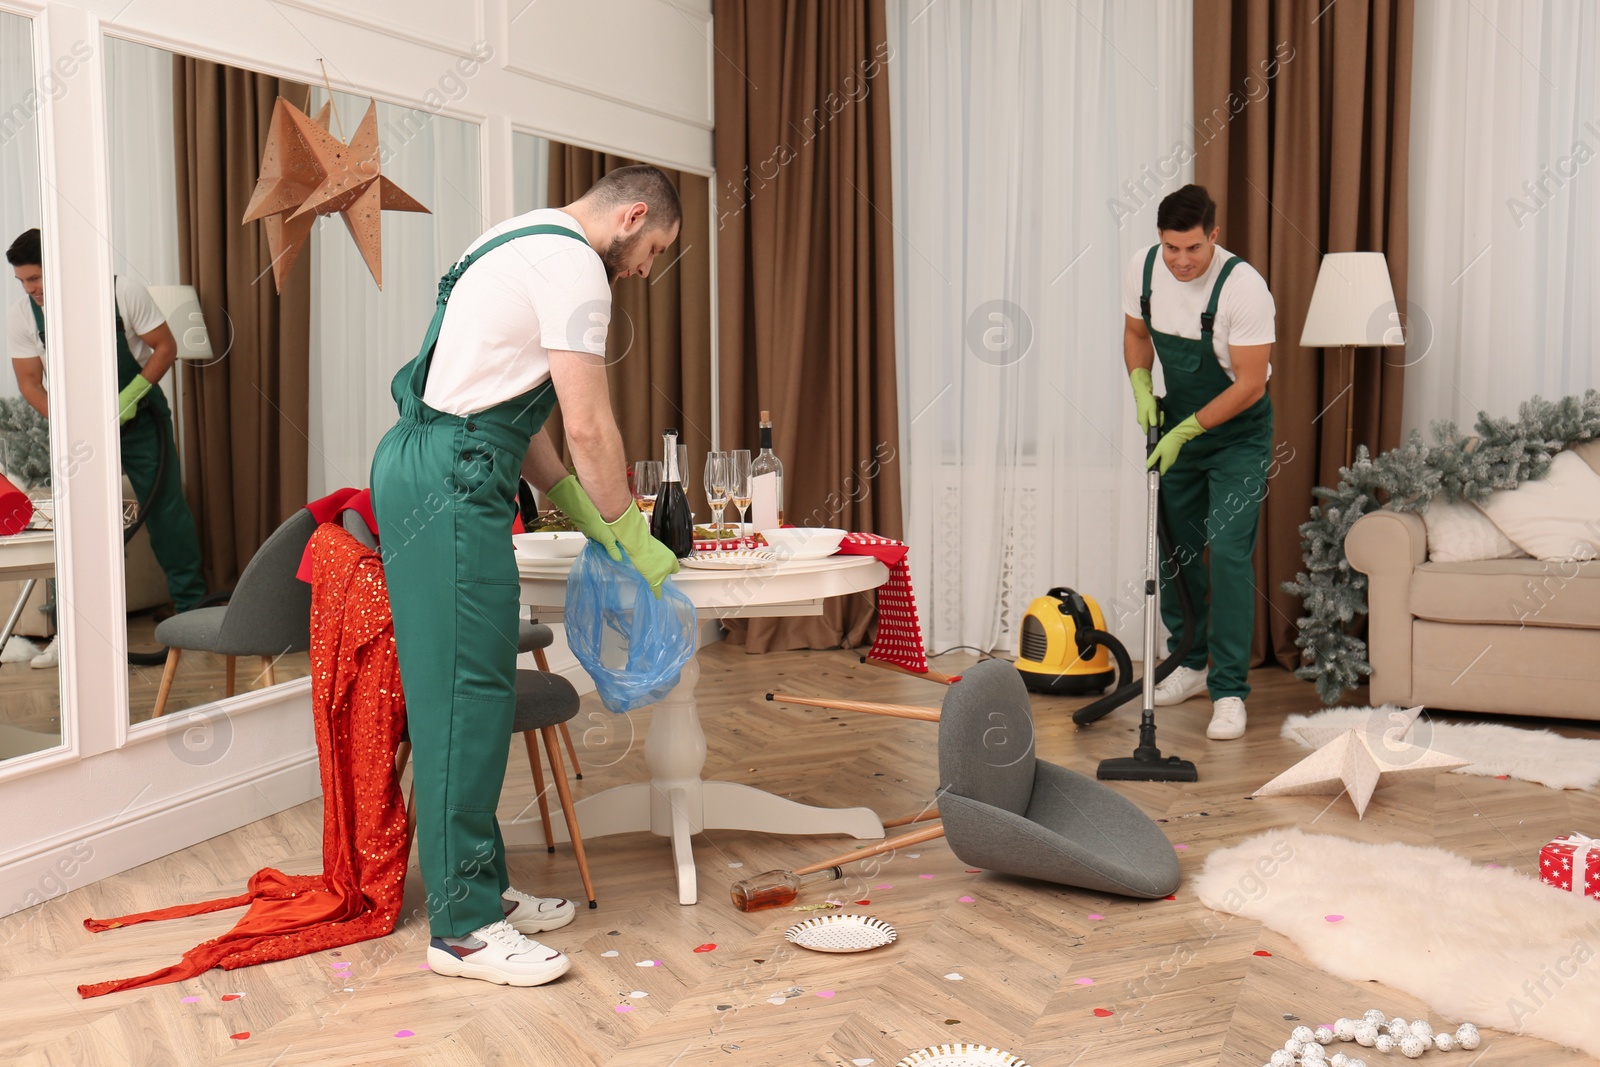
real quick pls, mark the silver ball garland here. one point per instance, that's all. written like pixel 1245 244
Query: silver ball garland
pixel 1444 1041
pixel 1412 1046
pixel 1383 1043
pixel 1304 1046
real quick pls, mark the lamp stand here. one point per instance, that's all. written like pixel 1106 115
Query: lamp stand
pixel 1347 363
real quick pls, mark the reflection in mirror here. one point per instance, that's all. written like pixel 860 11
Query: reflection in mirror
pixel 530 172
pixel 208 466
pixel 30 693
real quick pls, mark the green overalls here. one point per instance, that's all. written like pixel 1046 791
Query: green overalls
pixel 1212 496
pixel 444 488
pixel 173 538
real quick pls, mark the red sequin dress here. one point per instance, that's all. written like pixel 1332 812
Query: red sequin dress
pixel 359 712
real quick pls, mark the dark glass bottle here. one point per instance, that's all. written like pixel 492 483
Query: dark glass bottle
pixel 670 522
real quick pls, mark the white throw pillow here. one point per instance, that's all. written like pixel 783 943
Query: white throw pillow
pixel 1590 452
pixel 1554 517
pixel 1460 533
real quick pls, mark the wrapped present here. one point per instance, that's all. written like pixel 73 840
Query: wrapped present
pixel 1572 862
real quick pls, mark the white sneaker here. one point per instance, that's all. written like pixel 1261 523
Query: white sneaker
pixel 535 915
pixel 50 657
pixel 1180 685
pixel 497 953
pixel 1227 719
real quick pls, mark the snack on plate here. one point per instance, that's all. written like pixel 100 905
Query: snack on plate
pixel 553 520
pixel 715 533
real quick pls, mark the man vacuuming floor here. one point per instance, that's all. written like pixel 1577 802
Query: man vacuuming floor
pixel 1209 317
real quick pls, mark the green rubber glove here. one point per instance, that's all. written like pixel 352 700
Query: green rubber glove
pixel 128 399
pixel 1166 450
pixel 1144 398
pixel 653 559
pixel 575 504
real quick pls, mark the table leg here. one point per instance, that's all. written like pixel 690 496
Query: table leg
pixel 16 612
pixel 731 806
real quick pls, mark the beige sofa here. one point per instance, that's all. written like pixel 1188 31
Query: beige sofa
pixel 1508 636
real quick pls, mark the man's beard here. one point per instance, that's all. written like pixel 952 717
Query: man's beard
pixel 618 254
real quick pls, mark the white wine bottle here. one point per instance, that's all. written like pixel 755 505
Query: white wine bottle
pixel 766 482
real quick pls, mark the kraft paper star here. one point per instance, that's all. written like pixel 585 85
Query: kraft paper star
pixel 290 172
pixel 1358 761
pixel 354 187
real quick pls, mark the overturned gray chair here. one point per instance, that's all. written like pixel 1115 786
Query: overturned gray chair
pixel 1005 810
pixel 268 614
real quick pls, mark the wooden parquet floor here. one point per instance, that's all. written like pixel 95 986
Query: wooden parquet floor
pixel 1182 984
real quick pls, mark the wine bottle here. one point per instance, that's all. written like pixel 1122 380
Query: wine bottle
pixel 670 521
pixel 766 482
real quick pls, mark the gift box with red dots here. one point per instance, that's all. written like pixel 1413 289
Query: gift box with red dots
pixel 1572 862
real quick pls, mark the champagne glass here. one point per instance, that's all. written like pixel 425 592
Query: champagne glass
pixel 716 485
pixel 646 484
pixel 739 484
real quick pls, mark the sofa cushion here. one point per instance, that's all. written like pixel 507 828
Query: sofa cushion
pixel 1556 517
pixel 1458 532
pixel 1518 591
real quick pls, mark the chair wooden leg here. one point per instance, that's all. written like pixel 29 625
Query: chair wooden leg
pixel 167 675
pixel 564 791
pixel 566 736
pixel 228 675
pixel 266 670
pixel 402 756
pixel 411 813
pixel 538 783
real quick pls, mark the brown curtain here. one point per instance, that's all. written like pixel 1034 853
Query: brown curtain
pixel 659 342
pixel 806 271
pixel 245 412
pixel 1302 123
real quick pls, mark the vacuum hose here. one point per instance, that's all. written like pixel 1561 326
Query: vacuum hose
pixel 1131 689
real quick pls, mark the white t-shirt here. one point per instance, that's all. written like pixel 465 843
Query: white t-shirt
pixel 140 314
pixel 1246 314
pixel 511 309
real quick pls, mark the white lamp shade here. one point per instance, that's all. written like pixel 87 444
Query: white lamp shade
pixel 181 305
pixel 1353 303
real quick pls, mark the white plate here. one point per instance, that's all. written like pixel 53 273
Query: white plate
pixel 961 1054
pixel 841 933
pixel 558 545
pixel 734 559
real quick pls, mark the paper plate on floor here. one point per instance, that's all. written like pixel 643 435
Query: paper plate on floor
pixel 841 933
pixel 737 559
pixel 961 1054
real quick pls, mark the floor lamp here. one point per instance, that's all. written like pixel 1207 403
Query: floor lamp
pixel 1352 306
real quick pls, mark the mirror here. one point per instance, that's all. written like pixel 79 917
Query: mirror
pixel 30 689
pixel 279 389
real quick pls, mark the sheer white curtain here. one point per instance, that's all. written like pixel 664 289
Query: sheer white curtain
pixel 1032 142
pixel 359 335
pixel 19 153
pixel 1505 206
pixel 530 173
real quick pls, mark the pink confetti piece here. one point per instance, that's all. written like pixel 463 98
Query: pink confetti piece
pixel 1083 981
pixel 191 1000
pixel 623 1009
pixel 884 885
pixel 341 966
pixel 404 1033
pixel 1095 916
pixel 825 994
pixel 965 900
pixel 423 967
pixel 1181 848
pixel 1334 918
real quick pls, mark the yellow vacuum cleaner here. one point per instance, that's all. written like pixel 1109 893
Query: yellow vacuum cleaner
pixel 1066 650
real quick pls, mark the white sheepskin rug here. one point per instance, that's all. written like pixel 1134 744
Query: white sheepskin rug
pixel 19 650
pixel 1528 755
pixel 1483 945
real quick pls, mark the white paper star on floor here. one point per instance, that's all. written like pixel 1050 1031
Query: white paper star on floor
pixel 1358 761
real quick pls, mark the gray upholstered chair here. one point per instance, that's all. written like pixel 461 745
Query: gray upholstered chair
pixel 1006 810
pixel 268 613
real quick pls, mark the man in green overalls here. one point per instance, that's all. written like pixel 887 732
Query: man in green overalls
pixel 520 324
pixel 141 330
pixel 1210 318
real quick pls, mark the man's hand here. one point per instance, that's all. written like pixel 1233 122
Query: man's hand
pixel 1166 450
pixel 653 559
pixel 1144 398
pixel 128 399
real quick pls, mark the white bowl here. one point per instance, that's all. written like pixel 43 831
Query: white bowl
pixel 564 544
pixel 803 542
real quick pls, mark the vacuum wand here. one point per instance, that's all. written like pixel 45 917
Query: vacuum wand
pixel 775 889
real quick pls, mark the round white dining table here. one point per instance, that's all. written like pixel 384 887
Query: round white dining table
pixel 676 802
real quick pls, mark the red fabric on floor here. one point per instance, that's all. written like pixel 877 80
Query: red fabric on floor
pixel 359 713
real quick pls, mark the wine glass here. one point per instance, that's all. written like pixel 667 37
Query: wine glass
pixel 646 484
pixel 716 484
pixel 739 484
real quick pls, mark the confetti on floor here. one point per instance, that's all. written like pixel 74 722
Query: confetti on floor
pixel 928 876
pixel 1095 916
pixel 966 900
pixel 914 855
pixel 232 996
pixel 424 967
pixel 885 885
pixel 1334 918
pixel 825 994
pixel 610 952
pixel 623 1009
pixel 648 963
pixel 1083 981
pixel 710 946
pixel 864 1062
pixel 1104 1013
pixel 735 865
pixel 1261 952
pixel 954 976
pixel 1181 848
pixel 637 993
pixel 777 1000
pixel 243 1035
pixel 404 1033
pixel 191 1000
pixel 863 903
pixel 341 966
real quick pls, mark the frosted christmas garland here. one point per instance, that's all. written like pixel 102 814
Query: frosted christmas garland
pixel 1372 1030
pixel 1501 454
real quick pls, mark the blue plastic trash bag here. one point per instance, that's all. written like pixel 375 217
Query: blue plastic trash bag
pixel 657 636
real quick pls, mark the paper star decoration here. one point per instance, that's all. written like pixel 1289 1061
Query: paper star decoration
pixel 307 172
pixel 1358 761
